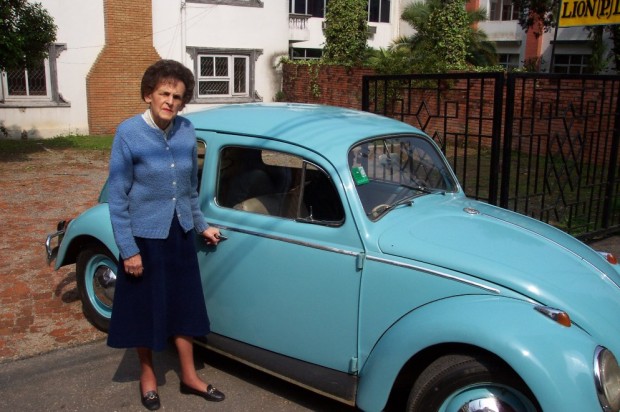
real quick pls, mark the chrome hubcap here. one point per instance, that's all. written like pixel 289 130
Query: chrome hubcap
pixel 104 282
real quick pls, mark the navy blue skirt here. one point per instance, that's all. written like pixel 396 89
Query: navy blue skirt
pixel 167 300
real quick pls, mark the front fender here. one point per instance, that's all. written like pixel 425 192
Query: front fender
pixel 555 362
pixel 94 223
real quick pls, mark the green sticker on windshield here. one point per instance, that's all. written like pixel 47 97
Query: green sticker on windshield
pixel 359 175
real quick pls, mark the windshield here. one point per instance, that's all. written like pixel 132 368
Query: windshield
pixel 392 171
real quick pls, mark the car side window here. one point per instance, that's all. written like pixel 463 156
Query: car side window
pixel 276 184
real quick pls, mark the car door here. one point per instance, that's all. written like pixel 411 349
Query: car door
pixel 287 278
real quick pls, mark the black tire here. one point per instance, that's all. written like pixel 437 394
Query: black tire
pixel 96 279
pixel 453 381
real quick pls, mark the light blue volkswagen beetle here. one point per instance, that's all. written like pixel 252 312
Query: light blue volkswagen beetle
pixel 356 266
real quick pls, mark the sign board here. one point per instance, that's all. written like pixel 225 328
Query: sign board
pixel 589 12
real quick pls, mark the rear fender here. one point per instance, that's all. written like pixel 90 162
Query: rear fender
pixel 92 224
pixel 560 376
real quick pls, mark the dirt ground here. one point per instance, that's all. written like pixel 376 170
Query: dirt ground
pixel 39 307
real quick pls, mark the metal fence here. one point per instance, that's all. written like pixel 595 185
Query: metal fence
pixel 543 145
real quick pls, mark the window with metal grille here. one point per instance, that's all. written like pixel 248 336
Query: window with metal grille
pixel 33 86
pixel 221 75
pixel 30 82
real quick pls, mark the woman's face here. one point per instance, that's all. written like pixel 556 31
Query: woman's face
pixel 166 101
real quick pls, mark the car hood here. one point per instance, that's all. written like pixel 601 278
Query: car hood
pixel 509 250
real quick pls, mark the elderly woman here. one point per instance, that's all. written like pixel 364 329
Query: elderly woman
pixel 154 210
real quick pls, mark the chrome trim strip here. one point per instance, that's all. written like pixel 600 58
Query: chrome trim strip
pixel 293 241
pixel 355 254
pixel 434 273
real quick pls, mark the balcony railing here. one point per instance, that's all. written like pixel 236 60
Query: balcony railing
pixel 298 27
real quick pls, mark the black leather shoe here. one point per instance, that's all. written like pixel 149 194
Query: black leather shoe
pixel 211 394
pixel 150 400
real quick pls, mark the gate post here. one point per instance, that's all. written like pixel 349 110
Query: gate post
pixel 496 142
pixel 365 93
pixel 613 164
pixel 507 143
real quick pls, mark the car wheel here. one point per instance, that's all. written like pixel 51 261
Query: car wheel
pixel 456 383
pixel 96 280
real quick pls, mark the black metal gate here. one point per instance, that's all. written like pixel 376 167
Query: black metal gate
pixel 543 145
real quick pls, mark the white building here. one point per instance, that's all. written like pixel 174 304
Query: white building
pixel 91 80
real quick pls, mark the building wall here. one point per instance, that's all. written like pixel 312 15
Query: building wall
pixel 142 31
pixel 81 28
pixel 109 44
pixel 226 27
pixel 113 83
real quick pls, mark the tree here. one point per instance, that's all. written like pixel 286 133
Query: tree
pixel 537 15
pixel 446 37
pixel 346 32
pixel 26 31
pixel 542 16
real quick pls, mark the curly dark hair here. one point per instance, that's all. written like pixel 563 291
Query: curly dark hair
pixel 166 69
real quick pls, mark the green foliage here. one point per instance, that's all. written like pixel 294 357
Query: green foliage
pixel 280 96
pixel 538 15
pixel 600 58
pixel 26 31
pixel 313 67
pixel 346 32
pixel 392 61
pixel 446 39
pixel 446 28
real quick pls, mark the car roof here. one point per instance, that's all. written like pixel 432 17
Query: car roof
pixel 317 127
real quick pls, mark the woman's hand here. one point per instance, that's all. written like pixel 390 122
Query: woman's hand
pixel 211 235
pixel 133 265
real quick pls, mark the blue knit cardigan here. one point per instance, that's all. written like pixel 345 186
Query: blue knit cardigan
pixel 152 178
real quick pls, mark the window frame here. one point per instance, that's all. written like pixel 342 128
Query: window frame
pixel 583 64
pixel 504 60
pixel 240 3
pixel 304 51
pixel 52 98
pixel 250 56
pixel 379 4
pixel 498 14
pixel 230 158
pixel 291 8
pixel 28 95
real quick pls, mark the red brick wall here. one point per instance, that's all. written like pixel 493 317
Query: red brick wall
pixel 113 83
pixel 544 110
pixel 332 85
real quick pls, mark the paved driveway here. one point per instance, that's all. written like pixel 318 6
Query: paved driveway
pixel 93 377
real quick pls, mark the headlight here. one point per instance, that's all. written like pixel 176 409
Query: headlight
pixel 607 379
